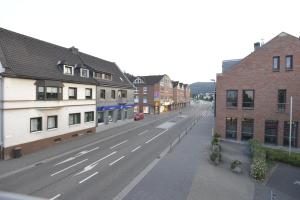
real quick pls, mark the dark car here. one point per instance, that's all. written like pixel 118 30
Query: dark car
pixel 138 116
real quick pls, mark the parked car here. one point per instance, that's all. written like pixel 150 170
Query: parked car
pixel 138 116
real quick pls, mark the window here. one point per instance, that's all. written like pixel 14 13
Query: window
pixel 286 134
pixel 35 124
pixel 110 116
pixel 74 118
pixel 247 129
pixel 108 77
pixel 271 129
pixel 231 128
pixel 84 72
pixel 40 93
pixel 145 89
pixel 72 93
pixel 52 93
pixel 289 62
pixel 281 100
pixel 113 94
pixel 145 99
pixel 124 93
pixel 248 98
pixel 276 63
pixel 52 122
pixel 88 93
pixel 102 94
pixel 100 117
pixel 97 75
pixel 136 98
pixel 136 90
pixel 232 98
pixel 89 116
pixel 119 114
pixel 68 70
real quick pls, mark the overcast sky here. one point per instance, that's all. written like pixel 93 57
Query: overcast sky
pixel 186 39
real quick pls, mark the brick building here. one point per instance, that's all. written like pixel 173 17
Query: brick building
pixel 253 93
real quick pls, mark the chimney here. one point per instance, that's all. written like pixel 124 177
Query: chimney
pixel 74 50
pixel 256 46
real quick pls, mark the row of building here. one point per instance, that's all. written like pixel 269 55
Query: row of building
pixel 49 93
pixel 253 94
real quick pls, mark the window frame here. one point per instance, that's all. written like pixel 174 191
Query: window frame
pixel 75 93
pixel 75 114
pixel 72 70
pixel 102 95
pixel 56 122
pixel 281 106
pixel 267 136
pixel 243 103
pixel 91 92
pixel 234 135
pixel 227 102
pixel 286 133
pixel 51 98
pixel 41 124
pixel 244 134
pixel 87 72
pixel 278 67
pixel 291 62
pixel 87 114
pixel 113 94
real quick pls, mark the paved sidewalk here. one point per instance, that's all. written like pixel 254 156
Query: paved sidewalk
pixel 186 173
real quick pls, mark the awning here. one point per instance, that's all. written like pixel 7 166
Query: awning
pixel 114 107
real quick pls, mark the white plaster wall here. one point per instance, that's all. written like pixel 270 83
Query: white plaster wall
pixel 17 123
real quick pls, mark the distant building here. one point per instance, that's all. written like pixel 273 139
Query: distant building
pixel 253 94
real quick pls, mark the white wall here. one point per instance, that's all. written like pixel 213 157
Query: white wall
pixel 20 105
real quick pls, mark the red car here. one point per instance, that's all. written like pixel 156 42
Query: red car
pixel 138 116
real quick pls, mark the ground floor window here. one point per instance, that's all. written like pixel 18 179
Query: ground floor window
pixel 52 122
pixel 119 114
pixel 100 117
pixel 35 124
pixel 110 115
pixel 136 109
pixel 231 128
pixel 125 114
pixel 74 118
pixel 271 130
pixel 247 129
pixel 89 116
pixel 286 134
pixel 145 109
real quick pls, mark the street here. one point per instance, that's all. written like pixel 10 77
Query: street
pixel 102 169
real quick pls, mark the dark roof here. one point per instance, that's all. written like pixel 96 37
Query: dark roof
pixel 27 57
pixel 151 80
pixel 175 83
pixel 227 64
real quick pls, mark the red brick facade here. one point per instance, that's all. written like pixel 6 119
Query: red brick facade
pixel 255 72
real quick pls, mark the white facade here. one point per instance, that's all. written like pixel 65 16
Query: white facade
pixel 20 104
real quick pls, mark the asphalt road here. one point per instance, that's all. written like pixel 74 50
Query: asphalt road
pixel 103 168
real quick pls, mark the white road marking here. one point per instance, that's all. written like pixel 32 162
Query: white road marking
pixel 55 197
pixel 114 162
pixel 156 136
pixel 87 178
pixel 77 155
pixel 118 144
pixel 69 167
pixel 143 132
pixel 94 164
pixel 297 183
pixel 133 150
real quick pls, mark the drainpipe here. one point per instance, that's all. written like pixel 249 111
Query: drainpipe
pixel 1 116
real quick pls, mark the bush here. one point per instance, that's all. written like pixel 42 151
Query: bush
pixel 215 156
pixel 283 156
pixel 235 163
pixel 258 169
pixel 215 141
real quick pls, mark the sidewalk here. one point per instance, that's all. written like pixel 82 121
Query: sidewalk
pixel 186 173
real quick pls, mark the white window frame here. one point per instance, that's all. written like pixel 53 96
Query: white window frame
pixel 81 74
pixel 72 70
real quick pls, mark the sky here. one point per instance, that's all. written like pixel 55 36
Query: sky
pixel 185 39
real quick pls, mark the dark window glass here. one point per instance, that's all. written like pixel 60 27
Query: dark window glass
pixel 276 63
pixel 247 129
pixel 97 75
pixel 52 122
pixel 248 98
pixel 124 93
pixel 119 114
pixel 289 62
pixel 51 93
pixel 88 93
pixel 286 135
pixel 281 100
pixel 100 117
pixel 231 128
pixel 113 94
pixel 89 116
pixel 35 124
pixel 74 118
pixel 72 93
pixel 271 130
pixel 102 94
pixel 232 98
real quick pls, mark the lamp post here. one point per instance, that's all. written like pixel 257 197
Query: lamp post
pixel 214 97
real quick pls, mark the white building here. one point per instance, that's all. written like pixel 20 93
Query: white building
pixel 47 94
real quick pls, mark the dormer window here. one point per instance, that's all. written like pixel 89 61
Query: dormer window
pixel 68 70
pixel 101 75
pixel 84 72
pixel 138 81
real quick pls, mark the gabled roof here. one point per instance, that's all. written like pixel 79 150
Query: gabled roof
pixel 27 57
pixel 148 80
pixel 175 83
pixel 227 64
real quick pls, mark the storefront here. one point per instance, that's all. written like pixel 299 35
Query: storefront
pixel 109 114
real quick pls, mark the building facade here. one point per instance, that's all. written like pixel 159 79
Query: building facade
pixel 253 95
